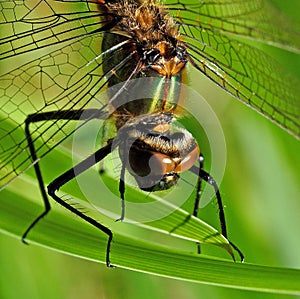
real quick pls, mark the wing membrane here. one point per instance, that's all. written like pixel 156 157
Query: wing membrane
pixel 251 76
pixel 210 30
pixel 66 79
pixel 29 25
pixel 251 19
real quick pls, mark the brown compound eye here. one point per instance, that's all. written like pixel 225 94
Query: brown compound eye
pixel 144 163
pixel 188 160
pixel 161 164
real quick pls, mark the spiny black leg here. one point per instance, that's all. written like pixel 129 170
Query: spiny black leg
pixel 198 196
pixel 199 185
pixel 122 185
pixel 209 179
pixel 122 192
pixel 45 116
pixel 241 255
pixel 51 191
pixel 70 174
pixel 39 178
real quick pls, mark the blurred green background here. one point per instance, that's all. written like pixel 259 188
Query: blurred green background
pixel 261 192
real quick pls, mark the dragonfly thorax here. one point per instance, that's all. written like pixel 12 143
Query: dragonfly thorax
pixel 151 32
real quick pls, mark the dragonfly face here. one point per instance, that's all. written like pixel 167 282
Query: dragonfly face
pixel 155 151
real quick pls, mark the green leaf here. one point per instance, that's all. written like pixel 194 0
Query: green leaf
pixel 63 232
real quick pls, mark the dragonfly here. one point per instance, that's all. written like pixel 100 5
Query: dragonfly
pixel 75 49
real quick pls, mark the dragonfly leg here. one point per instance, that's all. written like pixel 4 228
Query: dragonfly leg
pixel 46 116
pixel 199 185
pixel 210 180
pixel 122 183
pixel 198 196
pixel 122 192
pixel 69 175
pixel 203 175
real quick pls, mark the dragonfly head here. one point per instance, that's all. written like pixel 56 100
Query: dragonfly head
pixel 155 155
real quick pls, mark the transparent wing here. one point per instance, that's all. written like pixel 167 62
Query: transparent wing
pixel 210 28
pixel 29 25
pixel 66 79
pixel 252 19
pixel 60 40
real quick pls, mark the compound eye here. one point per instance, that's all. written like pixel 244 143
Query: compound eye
pixel 155 164
pixel 161 164
pixel 188 161
pixel 152 56
pixel 147 163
